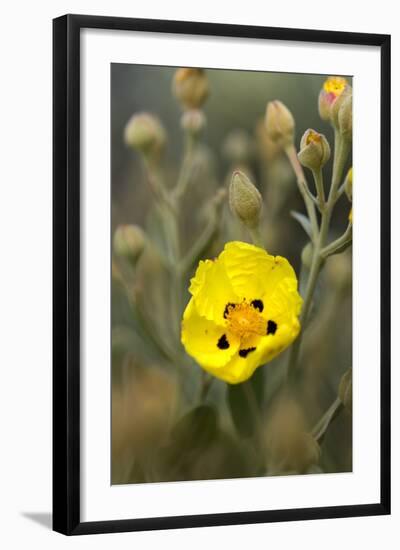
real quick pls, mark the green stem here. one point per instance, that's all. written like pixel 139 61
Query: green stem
pixel 303 187
pixel 206 382
pixel 155 182
pixel 203 241
pixel 145 328
pixel 256 236
pixel 320 429
pixel 169 209
pixel 342 149
pixel 340 244
pixel 186 169
pixel 319 186
pixel 310 288
pixel 250 396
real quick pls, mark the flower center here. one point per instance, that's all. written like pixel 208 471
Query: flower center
pixel 313 137
pixel 335 85
pixel 244 320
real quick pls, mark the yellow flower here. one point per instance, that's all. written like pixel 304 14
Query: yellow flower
pixel 333 88
pixel 243 311
pixel 335 85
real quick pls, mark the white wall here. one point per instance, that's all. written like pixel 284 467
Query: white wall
pixel 25 272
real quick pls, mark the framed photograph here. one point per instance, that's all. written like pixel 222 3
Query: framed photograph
pixel 221 288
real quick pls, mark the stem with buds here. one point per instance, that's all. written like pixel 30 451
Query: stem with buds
pixel 320 234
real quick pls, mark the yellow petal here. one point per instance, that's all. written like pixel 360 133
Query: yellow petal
pixel 239 369
pixel 284 303
pixel 253 273
pixel 212 290
pixel 200 338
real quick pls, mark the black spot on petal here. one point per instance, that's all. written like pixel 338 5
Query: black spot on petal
pixel 245 352
pixel 223 342
pixel 227 308
pixel 271 327
pixel 258 304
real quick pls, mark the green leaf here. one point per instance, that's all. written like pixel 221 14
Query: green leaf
pixel 241 410
pixel 303 221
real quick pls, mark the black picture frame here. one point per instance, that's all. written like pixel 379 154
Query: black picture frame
pixel 66 273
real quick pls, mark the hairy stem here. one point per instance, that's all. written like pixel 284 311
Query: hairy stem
pixel 186 168
pixel 205 238
pixel 256 237
pixel 251 399
pixel 320 429
pixel 319 186
pixel 342 149
pixel 340 244
pixel 303 187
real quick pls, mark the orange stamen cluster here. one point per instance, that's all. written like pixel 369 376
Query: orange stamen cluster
pixel 245 321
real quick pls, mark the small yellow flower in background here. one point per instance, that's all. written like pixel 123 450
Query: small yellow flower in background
pixel 243 311
pixel 332 89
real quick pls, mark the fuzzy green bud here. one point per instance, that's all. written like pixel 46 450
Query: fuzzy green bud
pixel 279 123
pixel 190 87
pixel 337 105
pixel 129 242
pixel 345 116
pixel 314 150
pixel 245 200
pixel 145 133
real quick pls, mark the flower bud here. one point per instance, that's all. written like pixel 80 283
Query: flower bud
pixel 331 90
pixel 348 184
pixel 279 122
pixel 190 87
pixel 245 200
pixel 314 150
pixel 193 121
pixel 129 242
pixel 345 390
pixel 345 116
pixel 337 107
pixel 145 133
pixel 268 149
